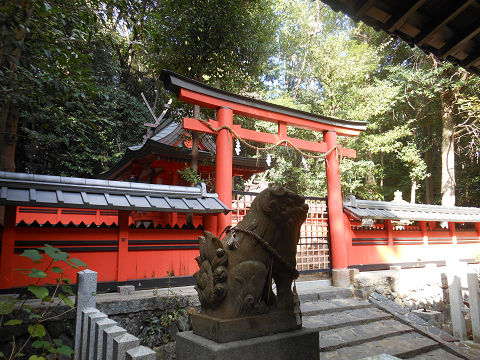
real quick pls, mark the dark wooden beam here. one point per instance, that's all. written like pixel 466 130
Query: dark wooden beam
pixel 403 13
pixel 459 40
pixel 424 36
pixel 363 7
pixel 471 59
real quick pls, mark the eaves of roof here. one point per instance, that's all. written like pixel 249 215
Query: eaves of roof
pixel 368 209
pixel 178 153
pixel 57 191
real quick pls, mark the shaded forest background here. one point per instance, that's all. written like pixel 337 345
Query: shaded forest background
pixel 72 74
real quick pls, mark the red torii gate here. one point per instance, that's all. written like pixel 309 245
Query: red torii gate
pixel 227 104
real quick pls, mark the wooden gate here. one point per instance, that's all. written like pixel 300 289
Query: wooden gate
pixel 313 250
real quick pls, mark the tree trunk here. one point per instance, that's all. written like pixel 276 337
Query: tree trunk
pixel 11 43
pixel 413 192
pixel 429 179
pixel 8 136
pixel 448 149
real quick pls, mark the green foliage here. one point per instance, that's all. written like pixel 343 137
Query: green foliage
pixel 190 175
pixel 227 41
pixel 160 326
pixel 17 312
pixel 73 74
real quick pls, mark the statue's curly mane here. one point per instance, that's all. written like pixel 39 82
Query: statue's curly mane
pixel 267 216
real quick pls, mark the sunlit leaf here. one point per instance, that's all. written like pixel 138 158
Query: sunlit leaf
pixel 35 357
pixel 13 322
pixel 36 273
pixel 54 253
pixel 32 254
pixel 37 330
pixel 66 300
pixel 39 291
pixel 78 262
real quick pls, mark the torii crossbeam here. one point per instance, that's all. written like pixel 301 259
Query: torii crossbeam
pixel 227 104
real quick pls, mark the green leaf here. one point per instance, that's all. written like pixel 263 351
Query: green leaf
pixel 54 253
pixel 32 254
pixel 65 350
pixel 13 322
pixel 2 354
pixel 6 305
pixel 39 291
pixel 66 300
pixel 66 281
pixel 35 357
pixel 58 342
pixel 57 270
pixel 37 273
pixel 67 290
pixel 38 344
pixel 37 330
pixel 77 262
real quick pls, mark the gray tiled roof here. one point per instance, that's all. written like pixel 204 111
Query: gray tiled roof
pixel 402 210
pixel 59 191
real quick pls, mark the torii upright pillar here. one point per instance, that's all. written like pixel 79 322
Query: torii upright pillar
pixel 223 169
pixel 338 246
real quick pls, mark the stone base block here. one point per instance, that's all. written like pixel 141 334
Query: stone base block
pixel 353 272
pixel 126 289
pixel 341 278
pixel 226 330
pixel 301 344
pixel 432 317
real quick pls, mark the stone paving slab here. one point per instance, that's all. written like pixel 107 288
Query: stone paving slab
pixel 439 354
pixel 421 326
pixel 324 293
pixel 357 334
pixel 333 305
pixel 348 317
pixel 403 346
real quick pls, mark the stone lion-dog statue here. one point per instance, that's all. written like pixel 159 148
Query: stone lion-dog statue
pixel 236 272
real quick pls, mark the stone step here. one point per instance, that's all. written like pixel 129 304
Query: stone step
pixel 323 293
pixel 438 354
pixel 348 317
pixel 332 305
pixel 403 346
pixel 353 335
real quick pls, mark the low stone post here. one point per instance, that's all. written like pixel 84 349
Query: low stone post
pixel 140 353
pixel 92 321
pixel 474 300
pixel 456 307
pixel 122 344
pixel 86 298
pixel 85 338
pixel 108 335
pixel 99 327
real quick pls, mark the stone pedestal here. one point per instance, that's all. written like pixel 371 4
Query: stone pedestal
pixel 302 344
pixel 432 317
pixel 226 330
pixel 341 278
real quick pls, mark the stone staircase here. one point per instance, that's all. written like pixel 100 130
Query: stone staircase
pixel 351 328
